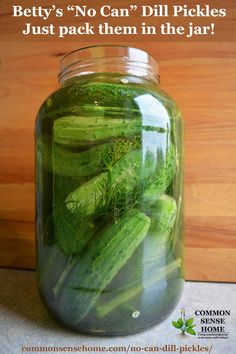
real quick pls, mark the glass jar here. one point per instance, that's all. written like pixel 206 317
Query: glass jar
pixel 109 180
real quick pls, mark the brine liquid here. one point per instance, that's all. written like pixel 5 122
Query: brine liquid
pixel 107 151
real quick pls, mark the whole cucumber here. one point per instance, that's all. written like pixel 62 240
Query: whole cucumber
pixel 69 163
pixel 106 255
pixel 123 177
pixel 75 131
pixel 162 180
pixel 163 216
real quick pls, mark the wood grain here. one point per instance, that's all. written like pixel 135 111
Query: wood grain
pixel 202 79
pixel 210 264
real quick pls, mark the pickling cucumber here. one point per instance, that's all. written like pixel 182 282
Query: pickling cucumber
pixel 104 258
pixel 158 241
pixel 125 295
pixel 69 163
pixel 74 131
pixel 125 175
pixel 97 94
pixel 163 216
pixel 72 234
pixel 163 178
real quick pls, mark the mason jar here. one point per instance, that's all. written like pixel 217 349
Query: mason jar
pixel 109 182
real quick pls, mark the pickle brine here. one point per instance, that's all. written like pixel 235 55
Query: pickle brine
pixel 109 206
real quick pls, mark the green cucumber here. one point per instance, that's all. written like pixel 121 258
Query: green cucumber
pixel 156 246
pixel 163 179
pixel 72 164
pixel 163 218
pixel 89 196
pixel 158 241
pixel 84 131
pixel 126 174
pixel 104 258
pixel 124 295
pixel 74 131
pixel 121 95
pixel 72 233
pixel 97 94
pixel 69 163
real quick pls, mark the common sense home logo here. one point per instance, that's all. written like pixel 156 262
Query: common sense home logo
pixel 185 325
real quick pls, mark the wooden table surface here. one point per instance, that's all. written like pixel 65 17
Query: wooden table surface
pixel 202 79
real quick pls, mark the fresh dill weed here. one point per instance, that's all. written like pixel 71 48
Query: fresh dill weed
pixel 109 203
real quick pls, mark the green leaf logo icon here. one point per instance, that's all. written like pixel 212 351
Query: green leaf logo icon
pixel 185 325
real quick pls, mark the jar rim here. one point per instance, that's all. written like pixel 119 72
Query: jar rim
pixel 103 58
